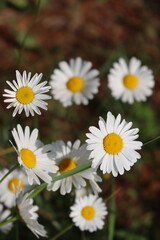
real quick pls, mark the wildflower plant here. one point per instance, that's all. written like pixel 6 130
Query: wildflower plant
pixel 74 82
pixel 113 145
pixel 27 94
pixel 15 181
pixel 130 83
pixel 71 167
pixel 68 157
pixel 33 155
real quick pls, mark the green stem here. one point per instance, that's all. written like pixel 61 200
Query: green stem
pixel 112 216
pixel 81 168
pixel 83 235
pixel 17 223
pixel 62 232
pixel 8 221
pixel 72 172
pixel 17 231
pixel 27 33
pixel 64 175
pixel 6 151
pixel 152 140
pixel 38 190
pixel 11 170
pixel 112 195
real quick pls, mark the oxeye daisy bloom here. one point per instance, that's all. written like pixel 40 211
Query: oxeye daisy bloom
pixel 27 212
pixel 33 155
pixel 88 213
pixel 113 146
pixel 132 82
pixel 79 193
pixel 74 82
pixel 68 157
pixel 4 214
pixel 27 93
pixel 15 181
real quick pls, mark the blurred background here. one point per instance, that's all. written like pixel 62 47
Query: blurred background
pixel 99 31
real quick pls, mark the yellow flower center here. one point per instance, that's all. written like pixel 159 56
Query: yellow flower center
pixel 113 143
pixel 75 84
pixel 106 175
pixel 130 81
pixel 28 158
pixel 88 212
pixel 66 165
pixel 14 184
pixel 25 95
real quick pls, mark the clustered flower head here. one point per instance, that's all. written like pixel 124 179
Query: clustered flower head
pixel 68 157
pixel 74 82
pixel 27 94
pixel 88 213
pixel 113 146
pixel 33 155
pixel 130 83
pixel 15 182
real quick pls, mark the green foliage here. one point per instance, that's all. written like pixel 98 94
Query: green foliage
pixel 128 235
pixel 144 118
pixel 30 41
pixel 19 3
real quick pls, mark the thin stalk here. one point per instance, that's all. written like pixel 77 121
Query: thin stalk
pixel 64 175
pixel 27 33
pixel 62 232
pixel 81 168
pixel 152 140
pixel 8 221
pixel 5 151
pixel 11 170
pixel 38 190
pixel 17 224
pixel 112 195
pixel 72 172
pixel 112 216
pixel 17 231
pixel 83 235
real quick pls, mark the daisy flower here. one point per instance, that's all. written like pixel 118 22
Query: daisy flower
pixel 27 93
pixel 74 82
pixel 68 157
pixel 79 193
pixel 3 215
pixel 33 155
pixel 16 180
pixel 88 213
pixel 27 212
pixel 113 145
pixel 129 83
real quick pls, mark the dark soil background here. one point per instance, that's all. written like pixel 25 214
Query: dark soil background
pixel 100 31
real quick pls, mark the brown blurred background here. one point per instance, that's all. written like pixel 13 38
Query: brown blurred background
pixel 100 31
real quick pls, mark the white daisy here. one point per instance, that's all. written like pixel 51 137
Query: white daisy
pixel 4 214
pixel 74 82
pixel 93 187
pixel 68 157
pixel 88 213
pixel 16 180
pixel 113 145
pixel 33 155
pixel 27 94
pixel 129 83
pixel 79 193
pixel 27 211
